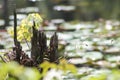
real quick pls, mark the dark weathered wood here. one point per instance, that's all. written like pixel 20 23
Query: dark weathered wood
pixel 34 44
pixel 15 27
pixel 42 40
pixel 54 48
pixel 18 47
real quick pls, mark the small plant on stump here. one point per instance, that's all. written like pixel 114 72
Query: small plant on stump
pixel 39 50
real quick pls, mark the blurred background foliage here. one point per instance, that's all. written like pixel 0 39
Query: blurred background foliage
pixel 69 10
pixel 84 9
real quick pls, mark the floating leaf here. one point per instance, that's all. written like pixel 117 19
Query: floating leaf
pixel 93 55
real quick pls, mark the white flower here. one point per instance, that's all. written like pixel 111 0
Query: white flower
pixel 53 74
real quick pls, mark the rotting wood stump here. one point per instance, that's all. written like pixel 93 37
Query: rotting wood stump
pixel 40 52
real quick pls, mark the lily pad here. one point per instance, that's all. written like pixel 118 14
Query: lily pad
pixel 113 58
pixel 77 61
pixel 93 55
